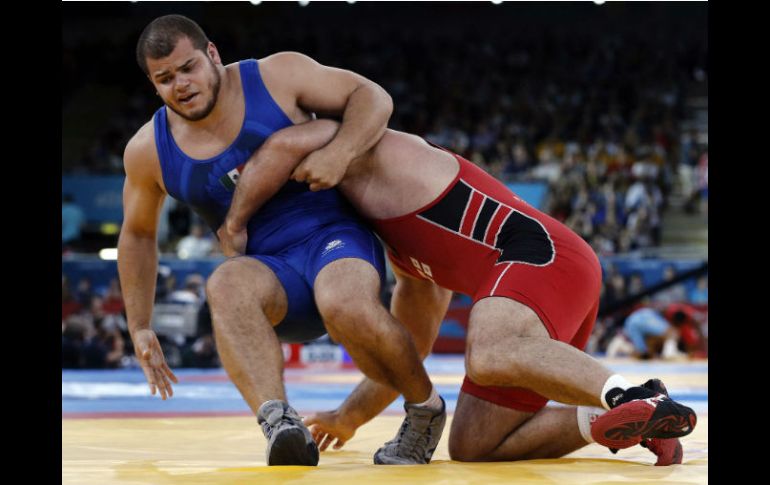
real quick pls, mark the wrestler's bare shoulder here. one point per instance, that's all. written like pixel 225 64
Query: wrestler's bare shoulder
pixel 140 157
pixel 402 173
pixel 141 146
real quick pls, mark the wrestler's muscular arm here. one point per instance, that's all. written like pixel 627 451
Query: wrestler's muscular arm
pixel 265 173
pixel 138 256
pixel 420 305
pixel 297 80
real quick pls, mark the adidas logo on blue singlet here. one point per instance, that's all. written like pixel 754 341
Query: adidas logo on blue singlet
pixel 336 244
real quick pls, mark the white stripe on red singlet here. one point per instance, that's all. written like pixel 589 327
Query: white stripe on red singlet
pixel 494 288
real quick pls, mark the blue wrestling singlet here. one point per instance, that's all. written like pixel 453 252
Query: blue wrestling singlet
pixel 296 233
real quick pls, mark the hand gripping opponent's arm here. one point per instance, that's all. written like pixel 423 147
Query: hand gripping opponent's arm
pixel 364 106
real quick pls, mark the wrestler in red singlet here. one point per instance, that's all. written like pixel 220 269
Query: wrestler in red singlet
pixel 480 239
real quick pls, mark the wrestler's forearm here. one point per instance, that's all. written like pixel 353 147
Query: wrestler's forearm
pixel 138 269
pixel 270 167
pixel 364 120
pixel 366 401
pixel 262 177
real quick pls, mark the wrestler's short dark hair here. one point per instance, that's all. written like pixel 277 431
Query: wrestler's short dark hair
pixel 160 37
pixel 678 318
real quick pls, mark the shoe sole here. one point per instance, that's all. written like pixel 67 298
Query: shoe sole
pixel 392 460
pixel 628 424
pixel 380 461
pixel 291 448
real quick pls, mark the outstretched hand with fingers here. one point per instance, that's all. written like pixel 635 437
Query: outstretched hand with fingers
pixel 150 356
pixel 326 427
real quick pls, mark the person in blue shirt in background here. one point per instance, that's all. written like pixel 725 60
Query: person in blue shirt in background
pixel 700 294
pixel 652 334
pixel 72 221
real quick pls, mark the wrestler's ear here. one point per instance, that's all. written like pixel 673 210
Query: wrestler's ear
pixel 213 53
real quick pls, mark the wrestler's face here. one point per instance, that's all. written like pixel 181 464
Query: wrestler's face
pixel 187 80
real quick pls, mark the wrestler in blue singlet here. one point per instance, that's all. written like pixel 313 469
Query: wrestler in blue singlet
pixel 296 233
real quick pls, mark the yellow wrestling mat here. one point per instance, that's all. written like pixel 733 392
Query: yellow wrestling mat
pixel 231 450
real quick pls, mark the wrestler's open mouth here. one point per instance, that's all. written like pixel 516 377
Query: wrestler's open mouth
pixel 187 99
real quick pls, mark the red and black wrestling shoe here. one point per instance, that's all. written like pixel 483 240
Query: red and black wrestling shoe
pixel 645 414
pixel 669 451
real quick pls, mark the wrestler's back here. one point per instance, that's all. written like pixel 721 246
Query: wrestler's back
pixel 401 174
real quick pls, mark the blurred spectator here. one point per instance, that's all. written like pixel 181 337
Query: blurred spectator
pixel 581 221
pixel 84 293
pixel 673 294
pixel 548 167
pixel 700 294
pixel 194 245
pixel 637 196
pixel 193 291
pixel 165 283
pixel 688 158
pixel 635 284
pixel 201 354
pixel 77 329
pixel 164 224
pixel 105 348
pixel 72 221
pixel 204 326
pixel 703 182
pixel 518 163
pixel 649 334
pixel 602 245
pixel 639 226
pixel 689 322
pixel 697 184
pixel 180 218
pixel 69 305
pixel 73 336
pixel 615 290
pixel 113 299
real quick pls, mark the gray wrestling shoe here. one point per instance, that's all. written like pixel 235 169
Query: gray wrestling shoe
pixel 288 440
pixel 416 440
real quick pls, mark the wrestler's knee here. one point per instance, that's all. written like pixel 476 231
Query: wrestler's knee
pixel 483 364
pixel 240 278
pixel 462 447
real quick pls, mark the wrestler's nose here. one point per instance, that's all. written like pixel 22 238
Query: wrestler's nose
pixel 182 84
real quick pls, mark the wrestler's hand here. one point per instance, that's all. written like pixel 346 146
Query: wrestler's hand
pixel 150 356
pixel 322 169
pixel 232 242
pixel 328 426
